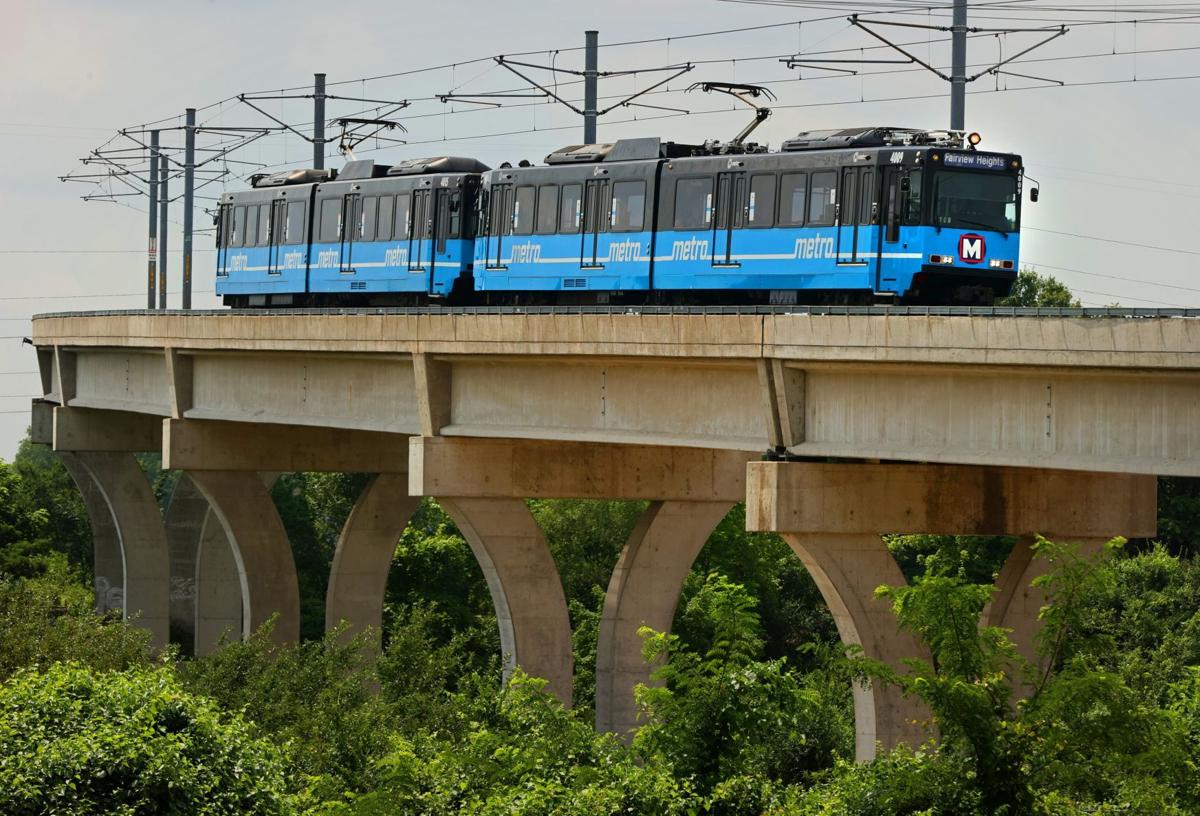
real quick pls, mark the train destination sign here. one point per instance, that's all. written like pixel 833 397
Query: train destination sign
pixel 976 161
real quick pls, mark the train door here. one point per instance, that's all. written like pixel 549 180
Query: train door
pixel 847 216
pixel 420 235
pixel 350 216
pixel 224 232
pixel 499 223
pixel 889 221
pixel 278 224
pixel 595 208
pixel 731 198
pixel 440 229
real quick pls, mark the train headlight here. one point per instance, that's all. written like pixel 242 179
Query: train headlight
pixel 941 259
pixel 974 139
pixel 996 263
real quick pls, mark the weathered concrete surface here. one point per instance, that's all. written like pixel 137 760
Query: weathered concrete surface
pixel 184 523
pixel 1084 394
pixel 531 610
pixel 358 576
pixel 139 531
pixel 833 516
pixel 219 607
pixel 266 572
pixel 108 562
pixel 533 469
pixel 643 591
pixel 197 444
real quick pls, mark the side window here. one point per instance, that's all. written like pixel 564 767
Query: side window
pixel 822 199
pixel 571 211
pixel 547 208
pixel 331 214
pixel 239 227
pixel 760 208
pixel 251 226
pixel 366 218
pixel 386 205
pixel 912 202
pixel 523 215
pixel 869 210
pixel 793 199
pixel 628 211
pixel 264 224
pixel 293 231
pixel 403 206
pixel 693 203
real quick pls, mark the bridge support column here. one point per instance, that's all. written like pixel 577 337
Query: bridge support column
pixel 218 608
pixel 134 516
pixel 644 591
pixel 833 515
pixel 108 565
pixel 184 520
pixel 358 576
pixel 266 572
pixel 531 609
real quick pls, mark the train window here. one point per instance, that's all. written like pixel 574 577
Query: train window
pixel 331 220
pixel 571 212
pixel 547 208
pixel 238 227
pixel 760 206
pixel 293 231
pixel 522 217
pixel 264 224
pixel 866 194
pixel 251 226
pixel 793 199
pixel 628 210
pixel 387 204
pixel 366 218
pixel 693 203
pixel 822 199
pixel 912 201
pixel 403 205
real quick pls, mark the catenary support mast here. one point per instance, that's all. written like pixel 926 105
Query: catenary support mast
pixel 958 66
pixel 163 201
pixel 189 188
pixel 152 245
pixel 591 47
pixel 319 121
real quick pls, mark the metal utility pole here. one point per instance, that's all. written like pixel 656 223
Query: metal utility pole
pixel 958 66
pixel 319 121
pixel 591 47
pixel 163 198
pixel 152 260
pixel 189 188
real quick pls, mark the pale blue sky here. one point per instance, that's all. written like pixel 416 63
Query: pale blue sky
pixel 1114 160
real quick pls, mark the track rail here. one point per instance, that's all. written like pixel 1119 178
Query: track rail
pixel 884 311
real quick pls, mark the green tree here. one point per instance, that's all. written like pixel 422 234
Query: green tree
pixel 1033 289
pixel 75 741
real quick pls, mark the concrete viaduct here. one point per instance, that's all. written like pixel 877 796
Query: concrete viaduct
pixel 894 424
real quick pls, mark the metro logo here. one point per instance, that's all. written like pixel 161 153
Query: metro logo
pixel 971 248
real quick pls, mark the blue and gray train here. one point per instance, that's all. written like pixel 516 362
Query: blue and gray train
pixel 854 216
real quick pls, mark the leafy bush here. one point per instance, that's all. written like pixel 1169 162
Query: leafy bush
pixel 76 741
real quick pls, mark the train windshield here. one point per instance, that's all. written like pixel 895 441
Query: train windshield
pixel 965 199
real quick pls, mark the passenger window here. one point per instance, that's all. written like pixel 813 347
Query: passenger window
pixel 822 199
pixel 571 212
pixel 264 224
pixel 628 210
pixel 793 199
pixel 293 232
pixel 239 227
pixel 693 203
pixel 912 203
pixel 366 218
pixel 547 208
pixel 331 214
pixel 868 196
pixel 383 232
pixel 251 226
pixel 522 217
pixel 403 205
pixel 760 208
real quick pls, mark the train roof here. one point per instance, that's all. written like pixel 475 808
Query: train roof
pixel 288 177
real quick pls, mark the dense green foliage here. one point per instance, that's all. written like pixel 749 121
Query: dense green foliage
pixel 1034 289
pixel 750 711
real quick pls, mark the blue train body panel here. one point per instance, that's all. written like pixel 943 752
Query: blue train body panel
pixel 261 270
pixel 551 263
pixel 388 266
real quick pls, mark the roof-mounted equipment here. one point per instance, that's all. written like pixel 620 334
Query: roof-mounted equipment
pixel 288 177
pixel 746 94
pixel 643 149
pixel 437 164
pixel 363 169
pixel 876 136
